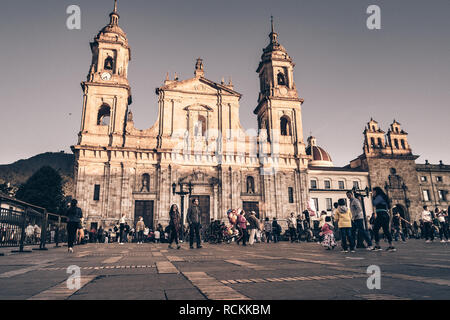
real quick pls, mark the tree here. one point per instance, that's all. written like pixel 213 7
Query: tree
pixel 43 189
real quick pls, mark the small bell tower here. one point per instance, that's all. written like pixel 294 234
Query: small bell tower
pixel 398 139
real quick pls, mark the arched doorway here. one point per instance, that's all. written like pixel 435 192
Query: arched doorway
pixel 402 210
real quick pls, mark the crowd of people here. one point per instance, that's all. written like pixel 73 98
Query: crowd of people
pixel 347 223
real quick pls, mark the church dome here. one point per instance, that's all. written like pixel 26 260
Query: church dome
pixel 112 32
pixel 320 158
pixel 115 29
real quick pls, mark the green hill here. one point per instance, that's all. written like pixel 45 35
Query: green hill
pixel 18 172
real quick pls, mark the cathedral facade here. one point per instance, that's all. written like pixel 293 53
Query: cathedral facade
pixel 198 148
pixel 197 143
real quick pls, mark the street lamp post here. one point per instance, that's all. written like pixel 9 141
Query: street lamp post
pixel 182 193
pixel 428 165
pixel 407 201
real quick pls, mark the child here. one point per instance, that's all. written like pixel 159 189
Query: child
pixel 328 235
pixel 157 236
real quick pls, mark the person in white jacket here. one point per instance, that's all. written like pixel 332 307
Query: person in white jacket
pixel 427 219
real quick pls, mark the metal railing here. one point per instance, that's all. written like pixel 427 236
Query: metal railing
pixel 23 224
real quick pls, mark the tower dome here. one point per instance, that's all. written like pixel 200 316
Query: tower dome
pixel 320 158
pixel 113 31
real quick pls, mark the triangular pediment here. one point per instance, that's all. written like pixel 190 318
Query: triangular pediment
pixel 198 85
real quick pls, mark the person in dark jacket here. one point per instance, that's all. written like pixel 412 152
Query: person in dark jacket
pixel 253 227
pixel 174 226
pixel 193 218
pixel 381 216
pixel 100 235
pixel 74 215
pixel 276 230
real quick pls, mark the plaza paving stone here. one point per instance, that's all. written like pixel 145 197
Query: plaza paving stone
pixel 282 271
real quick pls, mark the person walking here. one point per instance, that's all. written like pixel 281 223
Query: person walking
pixel 292 223
pixel 268 229
pixel 396 223
pixel 74 215
pixel 193 218
pixel 242 227
pixel 381 218
pixel 442 217
pixel 100 233
pixel 253 227
pixel 427 219
pixel 299 230
pixel 174 226
pixel 122 222
pixel 276 230
pixel 358 219
pixel 140 227
pixel 343 216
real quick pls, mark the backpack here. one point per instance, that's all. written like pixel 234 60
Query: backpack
pixel 278 229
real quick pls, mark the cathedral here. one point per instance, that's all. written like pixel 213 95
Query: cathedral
pixel 198 148
pixel 197 143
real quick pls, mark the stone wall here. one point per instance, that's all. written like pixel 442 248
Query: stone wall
pixel 379 171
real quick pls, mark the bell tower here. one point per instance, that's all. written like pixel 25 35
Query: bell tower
pixel 398 139
pixel 107 93
pixel 279 106
pixel 374 139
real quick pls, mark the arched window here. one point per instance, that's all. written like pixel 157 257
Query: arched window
pixel 403 144
pixel 281 79
pixel 109 63
pixel 250 184
pixel 372 142
pixel 396 143
pixel 145 183
pixel 380 143
pixel 104 115
pixel 285 125
pixel 200 127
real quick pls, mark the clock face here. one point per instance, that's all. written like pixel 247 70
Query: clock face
pixel 106 76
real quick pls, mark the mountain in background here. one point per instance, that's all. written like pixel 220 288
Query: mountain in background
pixel 18 172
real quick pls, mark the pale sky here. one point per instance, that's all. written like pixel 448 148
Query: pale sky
pixel 345 72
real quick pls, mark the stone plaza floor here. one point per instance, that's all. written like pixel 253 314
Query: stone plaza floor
pixel 281 271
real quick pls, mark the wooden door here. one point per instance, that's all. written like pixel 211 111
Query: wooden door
pixel 249 206
pixel 144 209
pixel 204 205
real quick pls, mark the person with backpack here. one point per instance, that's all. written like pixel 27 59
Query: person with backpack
pixel 381 218
pixel 343 216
